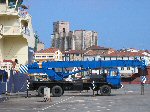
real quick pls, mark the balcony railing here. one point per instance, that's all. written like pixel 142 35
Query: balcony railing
pixel 14 30
pixel 11 30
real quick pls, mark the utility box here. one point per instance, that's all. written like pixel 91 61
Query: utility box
pixel 47 94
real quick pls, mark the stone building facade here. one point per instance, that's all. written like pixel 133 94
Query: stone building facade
pixel 65 40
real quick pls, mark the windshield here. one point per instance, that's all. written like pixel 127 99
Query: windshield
pixel 113 73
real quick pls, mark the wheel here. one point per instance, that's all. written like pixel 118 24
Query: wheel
pixel 105 90
pixel 57 91
pixel 41 91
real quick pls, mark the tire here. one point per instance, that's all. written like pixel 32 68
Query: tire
pixel 41 91
pixel 57 91
pixel 105 90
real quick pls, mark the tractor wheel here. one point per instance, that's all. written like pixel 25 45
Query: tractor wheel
pixel 105 90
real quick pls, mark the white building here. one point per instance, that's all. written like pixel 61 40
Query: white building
pixel 50 54
pixel 122 55
pixel 16 33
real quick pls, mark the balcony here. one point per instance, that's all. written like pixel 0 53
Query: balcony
pixel 14 31
pixel 11 30
pixel 4 10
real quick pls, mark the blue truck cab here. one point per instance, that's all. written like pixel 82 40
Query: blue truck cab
pixel 114 78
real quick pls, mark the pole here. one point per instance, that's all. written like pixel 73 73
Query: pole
pixel 142 82
pixel 142 88
pixel 27 88
pixel 6 88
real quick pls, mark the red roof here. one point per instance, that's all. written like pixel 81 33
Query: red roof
pixel 113 54
pixel 127 53
pixel 74 52
pixel 49 50
pixel 94 52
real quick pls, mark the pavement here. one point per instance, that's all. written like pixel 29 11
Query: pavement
pixel 2 99
pixel 127 99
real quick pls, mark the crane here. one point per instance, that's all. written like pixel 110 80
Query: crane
pixel 103 82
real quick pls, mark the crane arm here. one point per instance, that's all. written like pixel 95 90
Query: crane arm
pixel 49 67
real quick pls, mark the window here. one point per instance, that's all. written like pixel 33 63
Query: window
pixel 77 54
pixel 104 58
pixel 64 30
pixel 113 73
pixel 56 30
pixel 38 56
pixel 128 68
pixel 43 56
pixel 122 68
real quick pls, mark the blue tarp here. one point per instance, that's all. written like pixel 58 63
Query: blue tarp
pixel 3 74
pixel 16 83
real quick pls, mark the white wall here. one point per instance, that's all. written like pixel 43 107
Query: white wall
pixel 9 21
pixel 3 7
pixel 16 48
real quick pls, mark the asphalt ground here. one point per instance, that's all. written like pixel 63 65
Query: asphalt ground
pixel 127 99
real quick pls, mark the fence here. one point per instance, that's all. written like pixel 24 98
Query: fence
pixel 16 83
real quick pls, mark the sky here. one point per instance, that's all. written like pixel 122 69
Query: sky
pixel 119 23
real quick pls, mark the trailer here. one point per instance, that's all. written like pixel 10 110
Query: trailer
pixel 108 79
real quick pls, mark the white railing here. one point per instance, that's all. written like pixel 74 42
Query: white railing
pixel 14 30
pixel 11 30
